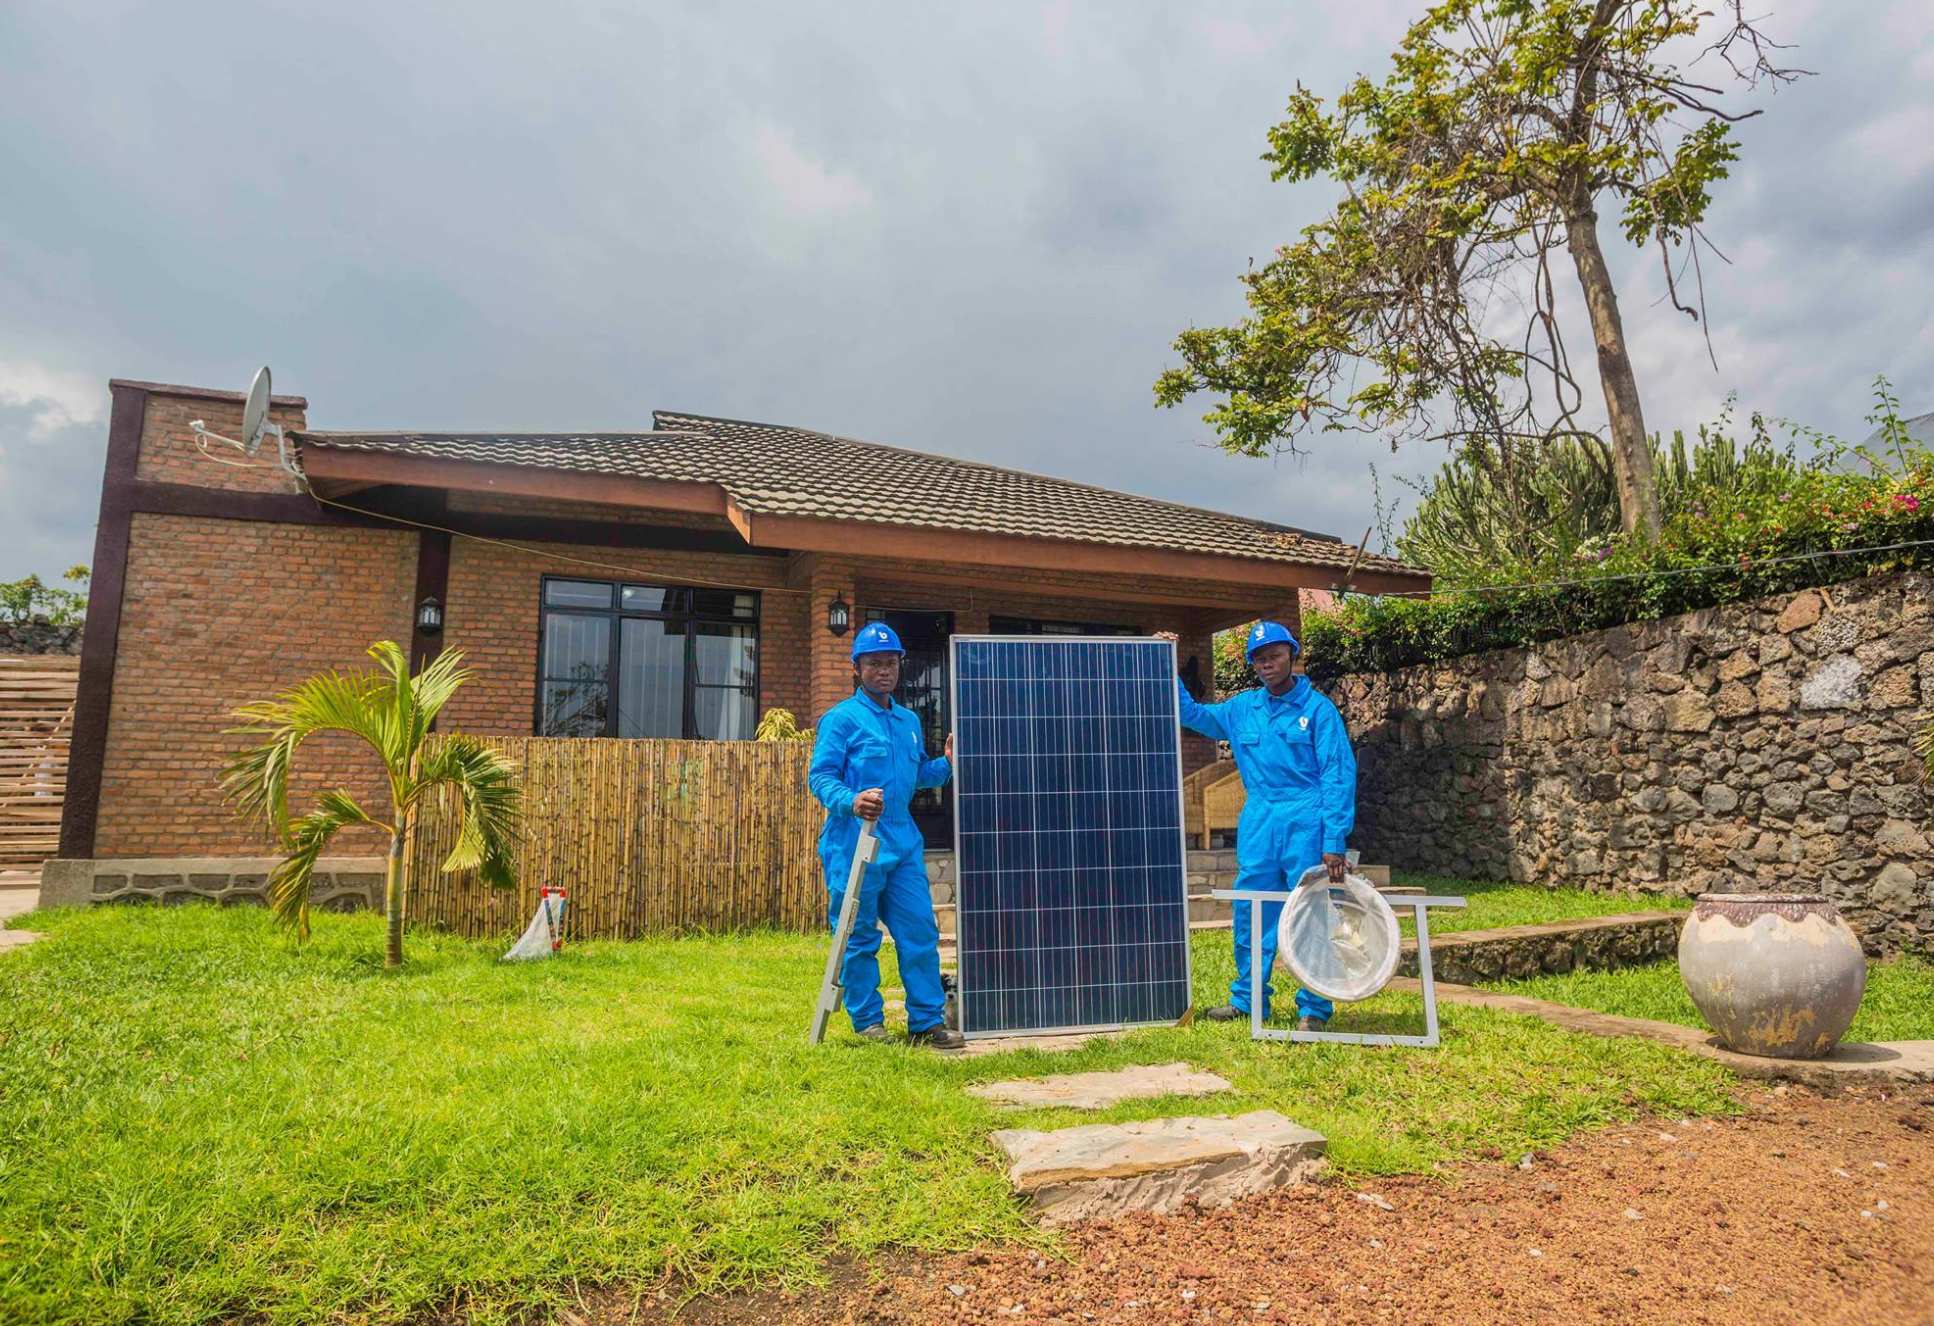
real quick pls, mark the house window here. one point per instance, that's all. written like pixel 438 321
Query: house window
pixel 623 660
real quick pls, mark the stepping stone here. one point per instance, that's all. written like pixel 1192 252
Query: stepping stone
pixel 1097 1091
pixel 1099 1171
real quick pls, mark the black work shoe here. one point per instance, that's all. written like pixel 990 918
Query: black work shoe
pixel 1226 1013
pixel 876 1032
pixel 1312 1024
pixel 939 1038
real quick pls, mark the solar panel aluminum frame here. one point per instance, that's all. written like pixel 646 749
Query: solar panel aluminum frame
pixel 1181 832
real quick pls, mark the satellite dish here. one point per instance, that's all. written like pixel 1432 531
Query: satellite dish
pixel 1340 940
pixel 255 427
pixel 255 414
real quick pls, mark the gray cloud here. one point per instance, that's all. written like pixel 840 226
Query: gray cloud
pixel 973 231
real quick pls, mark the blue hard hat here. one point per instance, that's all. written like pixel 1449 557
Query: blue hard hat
pixel 1271 633
pixel 876 638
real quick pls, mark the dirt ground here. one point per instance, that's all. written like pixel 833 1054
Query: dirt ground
pixel 1806 1208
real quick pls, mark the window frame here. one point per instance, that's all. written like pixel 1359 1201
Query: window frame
pixel 615 616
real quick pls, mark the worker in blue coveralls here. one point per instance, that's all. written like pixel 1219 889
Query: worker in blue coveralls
pixel 869 758
pixel 1299 781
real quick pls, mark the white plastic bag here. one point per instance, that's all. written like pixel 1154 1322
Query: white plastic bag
pixel 1340 940
pixel 545 934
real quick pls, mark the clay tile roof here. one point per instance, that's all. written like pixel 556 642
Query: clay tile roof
pixel 776 470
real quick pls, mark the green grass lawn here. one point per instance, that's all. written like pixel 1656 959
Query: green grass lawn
pixel 198 1120
pixel 1898 1006
pixel 1493 903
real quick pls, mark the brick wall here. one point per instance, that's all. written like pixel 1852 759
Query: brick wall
pixel 169 453
pixel 217 613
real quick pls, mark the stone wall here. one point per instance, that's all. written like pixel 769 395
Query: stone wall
pixel 38 636
pixel 1761 745
pixel 342 884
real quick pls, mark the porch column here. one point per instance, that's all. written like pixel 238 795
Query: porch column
pixel 828 655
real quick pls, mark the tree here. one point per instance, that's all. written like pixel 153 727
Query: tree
pixel 1501 126
pixel 1232 670
pixel 31 599
pixel 392 712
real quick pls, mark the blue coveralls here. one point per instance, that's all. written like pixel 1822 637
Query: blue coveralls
pixel 860 744
pixel 1299 779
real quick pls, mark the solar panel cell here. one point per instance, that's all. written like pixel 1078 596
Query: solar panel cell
pixel 1073 910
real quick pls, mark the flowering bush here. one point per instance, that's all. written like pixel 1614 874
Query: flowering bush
pixel 1845 513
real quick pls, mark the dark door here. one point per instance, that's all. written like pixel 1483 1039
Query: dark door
pixel 923 689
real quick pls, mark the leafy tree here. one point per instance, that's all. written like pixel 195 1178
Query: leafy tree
pixel 1501 128
pixel 392 712
pixel 32 599
pixel 1232 670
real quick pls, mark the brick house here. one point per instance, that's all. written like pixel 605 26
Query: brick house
pixel 675 582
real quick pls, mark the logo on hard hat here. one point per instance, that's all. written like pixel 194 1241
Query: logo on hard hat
pixel 1257 633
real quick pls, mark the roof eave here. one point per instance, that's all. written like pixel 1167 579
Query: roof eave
pixel 343 468
pixel 338 468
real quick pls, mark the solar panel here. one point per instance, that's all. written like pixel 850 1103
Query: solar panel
pixel 1073 904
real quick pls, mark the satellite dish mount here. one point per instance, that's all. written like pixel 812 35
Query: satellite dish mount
pixel 255 425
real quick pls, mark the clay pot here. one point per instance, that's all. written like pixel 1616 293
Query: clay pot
pixel 1777 974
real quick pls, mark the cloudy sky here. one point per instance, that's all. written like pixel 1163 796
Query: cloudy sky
pixel 971 229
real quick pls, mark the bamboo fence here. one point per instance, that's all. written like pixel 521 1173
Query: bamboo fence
pixel 646 837
pixel 36 725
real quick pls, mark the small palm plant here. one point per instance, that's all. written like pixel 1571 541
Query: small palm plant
pixel 392 711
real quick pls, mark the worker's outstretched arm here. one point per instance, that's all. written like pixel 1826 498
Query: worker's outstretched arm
pixel 1206 719
pixel 1336 777
pixel 827 776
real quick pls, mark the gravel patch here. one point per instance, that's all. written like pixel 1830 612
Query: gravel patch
pixel 1808 1207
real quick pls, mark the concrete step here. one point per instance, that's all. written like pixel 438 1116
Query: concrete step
pixel 1097 1091
pixel 1099 1171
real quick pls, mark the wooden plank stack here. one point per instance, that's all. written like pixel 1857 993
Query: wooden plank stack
pixel 36 724
pixel 646 837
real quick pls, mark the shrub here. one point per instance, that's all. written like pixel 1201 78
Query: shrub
pixel 32 599
pixel 1842 514
pixel 1232 670
pixel 780 725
